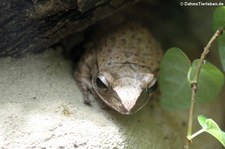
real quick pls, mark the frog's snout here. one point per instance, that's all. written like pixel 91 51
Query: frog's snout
pixel 127 96
pixel 130 99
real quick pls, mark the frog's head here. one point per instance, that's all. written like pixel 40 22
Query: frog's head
pixel 126 94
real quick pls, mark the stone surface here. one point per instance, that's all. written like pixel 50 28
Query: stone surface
pixel 42 107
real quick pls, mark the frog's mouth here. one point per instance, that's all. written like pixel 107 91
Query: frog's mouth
pixel 125 100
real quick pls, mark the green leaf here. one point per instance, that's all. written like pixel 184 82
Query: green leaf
pixel 210 83
pixel 221 44
pixel 212 128
pixel 219 22
pixel 218 18
pixel 202 119
pixel 174 87
pixel 175 84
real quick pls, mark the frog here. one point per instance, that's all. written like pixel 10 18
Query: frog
pixel 120 68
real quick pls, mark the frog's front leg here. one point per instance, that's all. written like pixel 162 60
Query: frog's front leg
pixel 83 75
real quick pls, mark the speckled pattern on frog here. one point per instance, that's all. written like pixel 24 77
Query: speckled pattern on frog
pixel 120 68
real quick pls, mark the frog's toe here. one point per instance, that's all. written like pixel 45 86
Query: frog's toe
pixel 88 99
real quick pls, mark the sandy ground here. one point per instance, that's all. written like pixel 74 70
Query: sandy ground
pixel 41 107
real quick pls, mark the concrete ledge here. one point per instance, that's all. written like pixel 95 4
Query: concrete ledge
pixel 41 107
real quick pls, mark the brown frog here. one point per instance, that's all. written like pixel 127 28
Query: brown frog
pixel 120 68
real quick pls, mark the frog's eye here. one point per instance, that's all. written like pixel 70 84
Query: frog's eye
pixel 101 82
pixel 152 86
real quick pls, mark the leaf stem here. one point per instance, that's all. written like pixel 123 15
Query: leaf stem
pixel 194 85
pixel 196 134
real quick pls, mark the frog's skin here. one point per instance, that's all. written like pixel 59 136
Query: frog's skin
pixel 120 68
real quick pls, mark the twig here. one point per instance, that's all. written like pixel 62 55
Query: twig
pixel 194 85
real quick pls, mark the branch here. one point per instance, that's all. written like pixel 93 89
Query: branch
pixel 194 85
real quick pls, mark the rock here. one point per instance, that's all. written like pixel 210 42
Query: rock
pixel 33 26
